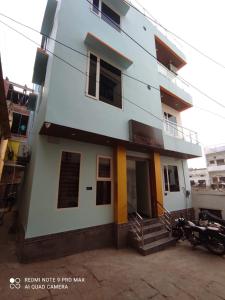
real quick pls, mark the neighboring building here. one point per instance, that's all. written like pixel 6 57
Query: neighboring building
pixel 100 149
pixel 199 177
pixel 4 120
pixel 19 99
pixel 215 160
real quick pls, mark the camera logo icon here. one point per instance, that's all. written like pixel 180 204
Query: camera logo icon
pixel 14 283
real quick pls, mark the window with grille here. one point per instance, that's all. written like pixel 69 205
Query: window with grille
pixel 104 180
pixel 171 179
pixel 69 180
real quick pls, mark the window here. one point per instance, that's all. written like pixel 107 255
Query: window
pixel 106 13
pixel 69 180
pixel 211 162
pixel 104 180
pixel 170 124
pixel 171 179
pixel 104 81
pixel 19 124
pixel 220 162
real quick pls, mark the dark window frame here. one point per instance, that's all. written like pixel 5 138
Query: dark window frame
pixel 101 183
pixel 107 14
pixel 110 72
pixel 60 204
pixel 18 131
pixel 168 186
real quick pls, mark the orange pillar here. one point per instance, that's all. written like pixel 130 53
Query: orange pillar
pixel 158 182
pixel 120 185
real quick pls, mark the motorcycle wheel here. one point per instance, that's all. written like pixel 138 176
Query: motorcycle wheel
pixel 216 246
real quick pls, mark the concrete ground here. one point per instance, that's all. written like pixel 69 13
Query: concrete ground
pixel 176 273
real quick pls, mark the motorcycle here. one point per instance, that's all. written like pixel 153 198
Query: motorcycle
pixel 212 238
pixel 208 219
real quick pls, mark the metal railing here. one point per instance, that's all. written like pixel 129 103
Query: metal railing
pixel 181 132
pixel 165 216
pixel 137 225
pixel 173 77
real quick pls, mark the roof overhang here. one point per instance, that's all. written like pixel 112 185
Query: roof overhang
pixel 59 131
pixel 173 101
pixel 102 48
pixel 167 56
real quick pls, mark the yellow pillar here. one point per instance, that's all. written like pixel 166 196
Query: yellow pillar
pixel 158 182
pixel 3 148
pixel 120 185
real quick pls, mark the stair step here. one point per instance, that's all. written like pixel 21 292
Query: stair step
pixel 152 228
pixel 147 221
pixel 157 245
pixel 155 236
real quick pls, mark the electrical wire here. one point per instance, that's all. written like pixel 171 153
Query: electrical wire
pixel 132 77
pixel 151 18
pixel 85 74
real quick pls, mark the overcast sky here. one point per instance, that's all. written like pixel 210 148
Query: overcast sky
pixel 199 22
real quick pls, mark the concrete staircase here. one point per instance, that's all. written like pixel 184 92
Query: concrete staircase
pixel 150 237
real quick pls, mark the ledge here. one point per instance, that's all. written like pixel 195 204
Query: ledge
pixel 106 50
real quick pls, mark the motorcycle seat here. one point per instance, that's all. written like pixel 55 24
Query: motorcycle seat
pixel 195 226
pixel 213 228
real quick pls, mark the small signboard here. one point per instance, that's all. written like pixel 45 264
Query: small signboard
pixel 145 135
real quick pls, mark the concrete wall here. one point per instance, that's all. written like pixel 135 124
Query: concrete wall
pixel 210 200
pixel 44 217
pixel 67 101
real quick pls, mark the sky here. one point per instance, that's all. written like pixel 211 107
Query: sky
pixel 201 23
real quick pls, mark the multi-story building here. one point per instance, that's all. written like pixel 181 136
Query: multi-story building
pixel 108 139
pixel 4 120
pixel 20 103
pixel 199 177
pixel 215 160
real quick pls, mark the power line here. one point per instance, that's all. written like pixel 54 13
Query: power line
pixel 85 74
pixel 132 77
pixel 85 55
pixel 174 34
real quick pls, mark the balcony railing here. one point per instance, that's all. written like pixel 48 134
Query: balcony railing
pixel 173 77
pixel 180 132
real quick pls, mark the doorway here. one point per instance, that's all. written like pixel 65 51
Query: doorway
pixel 138 187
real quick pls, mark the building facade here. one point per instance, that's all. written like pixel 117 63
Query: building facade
pixel 199 177
pixel 215 160
pixel 108 139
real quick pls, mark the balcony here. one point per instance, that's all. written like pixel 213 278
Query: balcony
pixel 169 81
pixel 177 131
pixel 216 168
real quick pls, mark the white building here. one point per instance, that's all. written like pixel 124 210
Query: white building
pixel 215 160
pixel 108 139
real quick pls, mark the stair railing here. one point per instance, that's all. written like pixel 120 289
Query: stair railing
pixel 137 225
pixel 165 216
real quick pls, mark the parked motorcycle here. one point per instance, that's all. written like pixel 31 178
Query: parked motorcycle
pixel 210 237
pixel 208 219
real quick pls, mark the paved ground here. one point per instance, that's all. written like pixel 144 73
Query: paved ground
pixel 176 273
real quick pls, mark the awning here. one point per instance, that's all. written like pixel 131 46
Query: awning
pixel 40 67
pixel 48 19
pixel 104 49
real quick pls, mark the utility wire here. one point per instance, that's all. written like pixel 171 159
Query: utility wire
pixel 85 55
pixel 86 75
pixel 174 34
pixel 132 77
